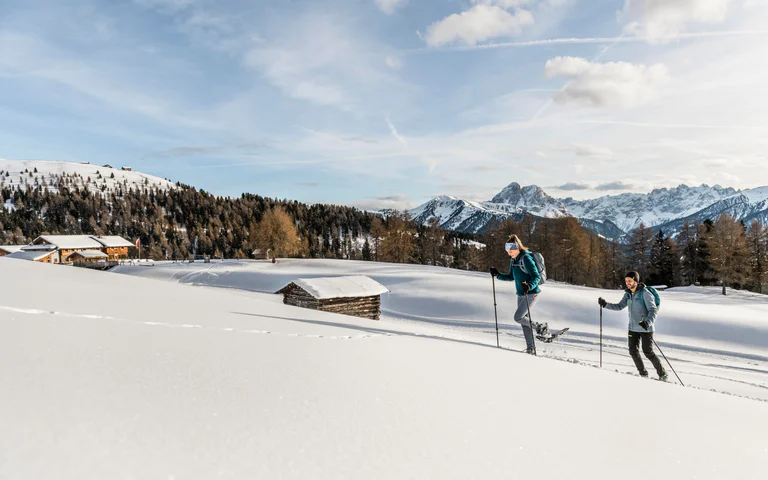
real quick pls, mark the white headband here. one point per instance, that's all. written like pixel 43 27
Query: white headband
pixel 511 246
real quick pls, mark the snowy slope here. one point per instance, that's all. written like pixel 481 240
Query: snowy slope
pixel 49 171
pixel 721 341
pixel 205 383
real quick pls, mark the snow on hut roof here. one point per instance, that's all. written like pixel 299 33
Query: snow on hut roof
pixel 113 241
pixel 11 248
pixel 89 254
pixel 32 255
pixel 70 242
pixel 341 287
pixel 66 242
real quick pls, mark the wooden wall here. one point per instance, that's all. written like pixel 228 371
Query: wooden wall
pixel 363 307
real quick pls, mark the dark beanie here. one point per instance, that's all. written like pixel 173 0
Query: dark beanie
pixel 633 275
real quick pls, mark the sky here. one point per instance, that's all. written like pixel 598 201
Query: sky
pixel 387 103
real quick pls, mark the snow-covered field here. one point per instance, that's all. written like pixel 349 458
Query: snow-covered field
pixel 108 177
pixel 105 375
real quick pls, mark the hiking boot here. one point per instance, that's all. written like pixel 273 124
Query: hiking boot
pixel 644 374
pixel 530 351
pixel 543 329
pixel 663 376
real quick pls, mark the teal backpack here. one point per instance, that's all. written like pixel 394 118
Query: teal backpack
pixel 655 295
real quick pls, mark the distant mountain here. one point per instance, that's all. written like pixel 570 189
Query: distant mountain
pixel 611 216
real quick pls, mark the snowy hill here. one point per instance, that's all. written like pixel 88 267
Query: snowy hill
pixel 610 216
pixel 22 173
pixel 200 383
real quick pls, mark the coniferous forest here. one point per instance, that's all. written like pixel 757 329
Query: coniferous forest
pixel 181 222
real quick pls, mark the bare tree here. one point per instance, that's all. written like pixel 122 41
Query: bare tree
pixel 276 234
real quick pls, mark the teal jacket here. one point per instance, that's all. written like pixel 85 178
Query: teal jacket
pixel 642 307
pixel 516 273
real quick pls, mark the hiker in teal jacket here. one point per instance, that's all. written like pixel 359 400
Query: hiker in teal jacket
pixel 642 317
pixel 525 274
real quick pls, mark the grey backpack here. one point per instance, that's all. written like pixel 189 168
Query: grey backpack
pixel 538 259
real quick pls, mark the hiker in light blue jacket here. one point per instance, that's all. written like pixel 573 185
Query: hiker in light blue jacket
pixel 642 316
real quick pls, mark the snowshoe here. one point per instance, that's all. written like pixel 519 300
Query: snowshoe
pixel 552 336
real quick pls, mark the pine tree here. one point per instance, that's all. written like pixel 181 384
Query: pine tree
pixel 728 250
pixel 757 247
pixel 638 249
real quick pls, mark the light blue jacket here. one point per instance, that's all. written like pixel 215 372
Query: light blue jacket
pixel 642 306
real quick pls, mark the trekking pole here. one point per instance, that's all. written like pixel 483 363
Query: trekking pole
pixel 601 336
pixel 495 315
pixel 530 324
pixel 665 358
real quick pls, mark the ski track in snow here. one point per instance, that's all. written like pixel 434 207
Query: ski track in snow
pixel 29 311
pixel 574 340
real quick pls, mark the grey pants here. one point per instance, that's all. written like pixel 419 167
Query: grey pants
pixel 521 316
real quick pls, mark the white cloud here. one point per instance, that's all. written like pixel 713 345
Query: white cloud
pixel 612 84
pixel 588 150
pixel 660 21
pixel 389 6
pixel 477 24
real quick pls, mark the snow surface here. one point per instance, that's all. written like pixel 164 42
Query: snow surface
pixel 341 287
pixel 198 383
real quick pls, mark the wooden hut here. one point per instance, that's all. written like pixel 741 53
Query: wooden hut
pixel 358 296
pixel 87 256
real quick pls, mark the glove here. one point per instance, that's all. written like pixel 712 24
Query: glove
pixel 526 288
pixel 494 272
pixel 644 324
pixel 601 301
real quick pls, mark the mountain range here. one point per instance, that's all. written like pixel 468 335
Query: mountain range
pixel 611 216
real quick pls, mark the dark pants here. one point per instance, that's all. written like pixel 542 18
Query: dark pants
pixel 634 350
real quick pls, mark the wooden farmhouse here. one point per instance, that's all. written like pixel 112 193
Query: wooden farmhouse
pixel 358 296
pixel 62 247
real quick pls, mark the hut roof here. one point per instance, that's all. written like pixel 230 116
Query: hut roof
pixel 89 254
pixel 71 242
pixel 32 255
pixel 340 287
pixel 66 242
pixel 113 241
pixel 11 248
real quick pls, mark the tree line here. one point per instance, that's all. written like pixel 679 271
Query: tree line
pixel 181 222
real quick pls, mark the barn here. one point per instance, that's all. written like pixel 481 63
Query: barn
pixel 358 296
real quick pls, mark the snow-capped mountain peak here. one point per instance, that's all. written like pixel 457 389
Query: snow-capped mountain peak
pixel 662 207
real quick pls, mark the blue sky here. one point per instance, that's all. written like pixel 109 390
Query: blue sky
pixel 386 103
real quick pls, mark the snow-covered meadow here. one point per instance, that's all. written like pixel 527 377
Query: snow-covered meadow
pixel 106 375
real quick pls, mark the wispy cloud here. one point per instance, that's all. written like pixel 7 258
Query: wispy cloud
pixel 570 186
pixel 397 136
pixel 614 186
pixel 660 21
pixel 389 6
pixel 548 42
